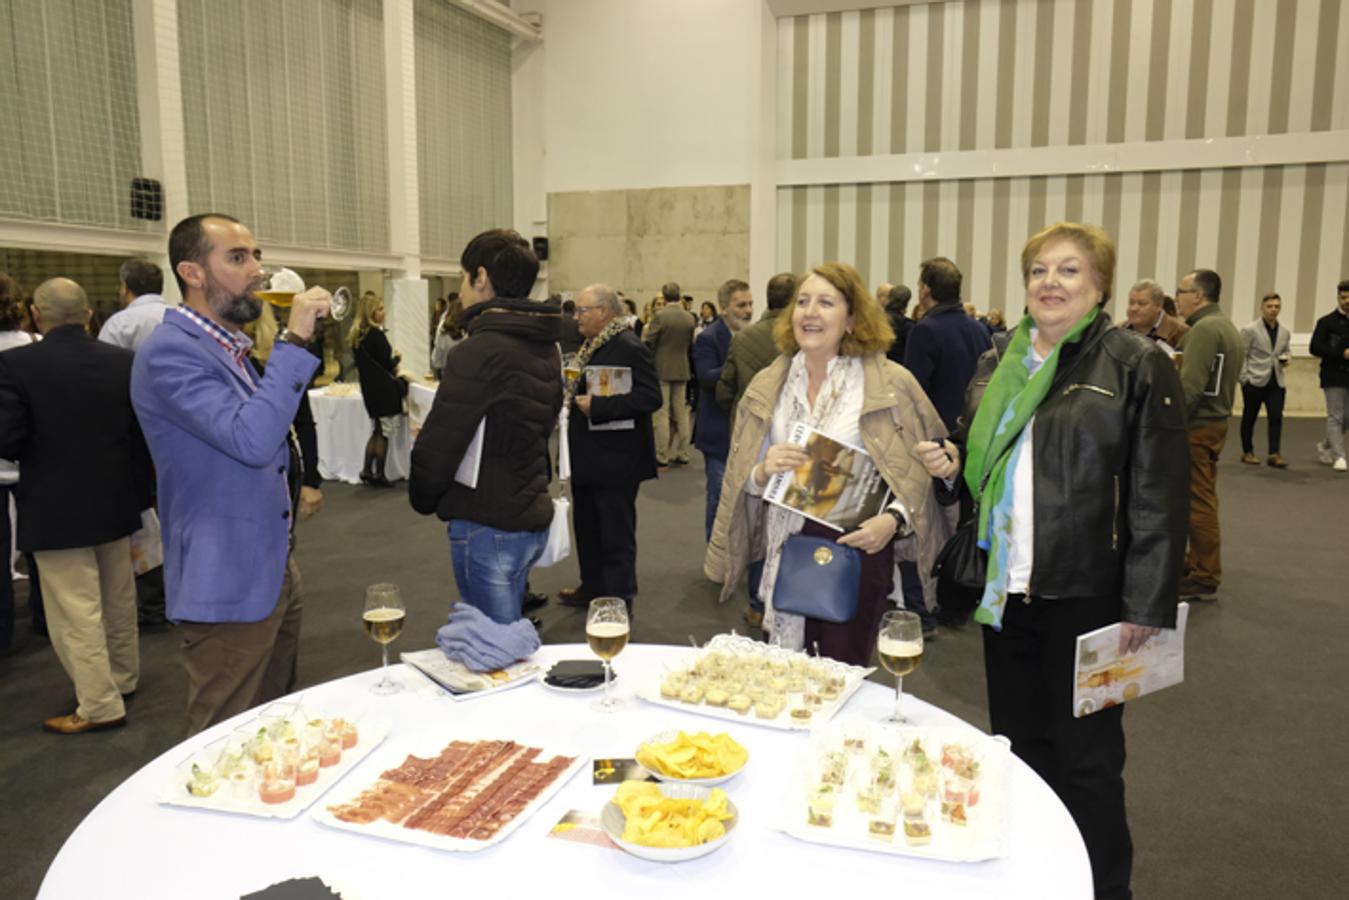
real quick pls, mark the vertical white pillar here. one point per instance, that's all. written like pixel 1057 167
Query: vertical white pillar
pixel 405 294
pixel 159 104
pixel 763 219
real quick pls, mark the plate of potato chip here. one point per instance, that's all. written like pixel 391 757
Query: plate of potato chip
pixel 684 758
pixel 669 822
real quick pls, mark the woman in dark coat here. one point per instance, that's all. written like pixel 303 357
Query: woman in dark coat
pixel 381 388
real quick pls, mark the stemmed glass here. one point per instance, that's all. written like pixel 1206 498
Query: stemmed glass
pixel 900 646
pixel 383 618
pixel 607 632
pixel 279 287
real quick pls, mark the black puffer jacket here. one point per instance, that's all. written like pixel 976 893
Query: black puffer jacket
pixel 1112 474
pixel 1329 341
pixel 509 370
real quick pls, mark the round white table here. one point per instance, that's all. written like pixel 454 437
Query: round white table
pixel 200 853
pixel 343 427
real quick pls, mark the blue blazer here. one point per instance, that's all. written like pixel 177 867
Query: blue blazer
pixel 221 458
pixel 712 426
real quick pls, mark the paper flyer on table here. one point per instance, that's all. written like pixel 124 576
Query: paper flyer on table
pixel 839 486
pixel 1103 678
pixel 610 381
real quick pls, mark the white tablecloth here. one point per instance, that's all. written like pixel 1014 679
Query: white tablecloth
pixel 198 853
pixel 343 428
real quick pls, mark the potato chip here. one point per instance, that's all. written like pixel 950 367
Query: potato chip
pixel 694 756
pixel 655 820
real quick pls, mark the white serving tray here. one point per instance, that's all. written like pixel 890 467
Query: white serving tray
pixel 446 674
pixel 738 644
pixel 175 793
pixel 987 836
pixel 430 745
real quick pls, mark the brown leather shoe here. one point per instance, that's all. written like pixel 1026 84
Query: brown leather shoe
pixel 73 724
pixel 574 597
pixel 1277 461
pixel 753 617
pixel 1250 459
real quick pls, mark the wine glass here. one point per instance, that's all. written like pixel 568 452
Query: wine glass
pixel 383 619
pixel 607 632
pixel 280 285
pixel 900 646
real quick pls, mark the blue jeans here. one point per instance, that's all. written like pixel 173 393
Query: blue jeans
pixel 716 471
pixel 492 566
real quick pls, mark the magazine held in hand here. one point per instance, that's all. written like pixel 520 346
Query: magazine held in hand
pixel 839 487
pixel 610 381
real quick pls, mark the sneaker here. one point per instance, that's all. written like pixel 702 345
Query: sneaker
pixel 1277 461
pixel 1341 465
pixel 1323 453
pixel 1250 459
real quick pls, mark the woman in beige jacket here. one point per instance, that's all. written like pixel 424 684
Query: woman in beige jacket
pixel 833 376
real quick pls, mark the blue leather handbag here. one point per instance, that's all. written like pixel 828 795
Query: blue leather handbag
pixel 818 578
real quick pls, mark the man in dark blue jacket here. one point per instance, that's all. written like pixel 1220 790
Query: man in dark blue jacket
pixel 712 428
pixel 945 344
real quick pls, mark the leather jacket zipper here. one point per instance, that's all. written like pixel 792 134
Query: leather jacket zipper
pixel 1088 387
pixel 1114 520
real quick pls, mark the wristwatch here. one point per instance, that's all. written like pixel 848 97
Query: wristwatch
pixel 902 529
pixel 292 338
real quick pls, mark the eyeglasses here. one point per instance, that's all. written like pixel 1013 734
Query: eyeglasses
pixel 581 309
pixel 1180 291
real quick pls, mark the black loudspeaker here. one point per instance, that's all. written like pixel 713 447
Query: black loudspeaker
pixel 541 248
pixel 147 199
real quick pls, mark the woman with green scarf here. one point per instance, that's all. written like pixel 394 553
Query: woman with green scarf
pixel 1076 457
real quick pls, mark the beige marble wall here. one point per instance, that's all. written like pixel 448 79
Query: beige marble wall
pixel 636 240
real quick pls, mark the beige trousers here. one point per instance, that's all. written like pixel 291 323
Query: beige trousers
pixel 90 596
pixel 671 397
pixel 234 666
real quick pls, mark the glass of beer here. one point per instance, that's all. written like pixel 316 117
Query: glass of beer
pixel 900 646
pixel 383 619
pixel 607 631
pixel 280 285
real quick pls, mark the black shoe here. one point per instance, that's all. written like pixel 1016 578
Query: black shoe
pixel 536 622
pixel 948 619
pixel 679 462
pixel 574 597
pixel 533 600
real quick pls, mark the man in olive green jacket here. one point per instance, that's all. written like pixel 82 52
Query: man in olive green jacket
pixel 752 348
pixel 1213 354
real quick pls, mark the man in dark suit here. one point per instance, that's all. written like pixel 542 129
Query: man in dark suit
pixel 946 343
pixel 66 416
pixel 611 448
pixel 712 431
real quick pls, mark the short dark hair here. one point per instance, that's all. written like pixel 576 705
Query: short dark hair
pixel 141 277
pixel 188 243
pixel 506 257
pixel 1342 286
pixel 900 295
pixel 1208 283
pixel 942 279
pixel 569 306
pixel 670 291
pixel 11 305
pixel 781 290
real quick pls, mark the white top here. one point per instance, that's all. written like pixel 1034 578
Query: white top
pixel 9 471
pixel 233 855
pixel 130 327
pixel 1021 553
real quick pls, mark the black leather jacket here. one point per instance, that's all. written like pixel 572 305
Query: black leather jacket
pixel 1112 473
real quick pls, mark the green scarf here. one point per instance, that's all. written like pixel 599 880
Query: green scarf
pixel 1010 400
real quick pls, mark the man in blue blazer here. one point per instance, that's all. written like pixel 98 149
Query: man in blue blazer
pixel 712 427
pixel 217 433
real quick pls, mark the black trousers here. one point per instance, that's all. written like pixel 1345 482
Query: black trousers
pixel 1272 396
pixel 1030 690
pixel 605 520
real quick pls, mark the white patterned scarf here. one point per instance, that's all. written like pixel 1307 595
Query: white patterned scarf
pixel 844 374
pixel 587 351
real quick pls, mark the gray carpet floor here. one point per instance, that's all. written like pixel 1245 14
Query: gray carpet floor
pixel 1236 780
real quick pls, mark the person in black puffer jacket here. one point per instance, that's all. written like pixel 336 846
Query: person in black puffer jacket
pixel 507 374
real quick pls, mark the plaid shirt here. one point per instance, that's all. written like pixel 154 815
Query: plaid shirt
pixel 236 345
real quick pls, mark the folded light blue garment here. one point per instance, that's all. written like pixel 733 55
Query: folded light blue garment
pixel 473 639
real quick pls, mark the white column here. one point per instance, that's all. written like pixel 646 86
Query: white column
pixel 405 294
pixel 763 213
pixel 160 106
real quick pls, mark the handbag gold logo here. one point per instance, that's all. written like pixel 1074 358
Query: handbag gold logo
pixel 823 556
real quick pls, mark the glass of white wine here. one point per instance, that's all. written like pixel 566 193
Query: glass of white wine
pixel 607 632
pixel 280 285
pixel 383 619
pixel 900 646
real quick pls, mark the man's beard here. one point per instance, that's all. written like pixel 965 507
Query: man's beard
pixel 736 323
pixel 237 309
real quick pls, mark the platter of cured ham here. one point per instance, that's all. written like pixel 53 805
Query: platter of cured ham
pixel 465 795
